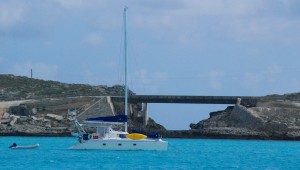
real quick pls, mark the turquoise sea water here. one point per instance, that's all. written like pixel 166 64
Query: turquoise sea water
pixel 182 154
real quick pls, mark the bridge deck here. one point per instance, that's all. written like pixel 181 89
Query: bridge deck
pixel 246 100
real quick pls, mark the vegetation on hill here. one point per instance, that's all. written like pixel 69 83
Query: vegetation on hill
pixel 19 87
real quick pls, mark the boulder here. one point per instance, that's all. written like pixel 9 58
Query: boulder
pixel 5 115
pixel 53 116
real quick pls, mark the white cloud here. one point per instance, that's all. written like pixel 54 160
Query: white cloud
pixel 182 21
pixel 215 78
pixel 143 77
pixel 1 60
pixel 71 3
pixel 195 9
pixel 11 13
pixel 295 84
pixel 161 76
pixel 222 8
pixel 94 39
pixel 262 78
pixel 146 78
pixel 252 79
pixel 149 81
pixel 88 76
pixel 244 21
pixel 273 69
pixel 264 29
pixel 40 70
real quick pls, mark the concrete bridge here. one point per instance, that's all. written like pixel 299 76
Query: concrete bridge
pixel 248 101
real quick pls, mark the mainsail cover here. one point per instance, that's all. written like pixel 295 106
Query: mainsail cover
pixel 117 118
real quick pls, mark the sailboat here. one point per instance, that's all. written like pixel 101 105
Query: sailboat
pixel 105 137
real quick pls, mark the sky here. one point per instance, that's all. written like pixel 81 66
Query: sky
pixel 175 47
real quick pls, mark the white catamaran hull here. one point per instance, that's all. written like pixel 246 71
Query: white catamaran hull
pixel 122 144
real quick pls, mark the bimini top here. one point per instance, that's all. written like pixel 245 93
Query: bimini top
pixel 117 118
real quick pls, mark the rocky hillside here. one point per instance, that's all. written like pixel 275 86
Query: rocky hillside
pixel 18 88
pixel 274 117
pixel 37 107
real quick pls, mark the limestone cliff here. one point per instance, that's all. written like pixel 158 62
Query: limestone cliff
pixel 270 119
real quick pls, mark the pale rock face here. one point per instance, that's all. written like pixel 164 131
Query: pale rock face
pixel 266 122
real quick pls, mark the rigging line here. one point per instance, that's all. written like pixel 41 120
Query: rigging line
pixel 90 107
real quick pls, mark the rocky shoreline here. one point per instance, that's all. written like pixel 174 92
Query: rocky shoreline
pixel 40 108
pixel 235 122
pixel 269 120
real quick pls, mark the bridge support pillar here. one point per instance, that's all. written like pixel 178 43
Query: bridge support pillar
pixel 145 113
pixel 238 102
pixel 108 99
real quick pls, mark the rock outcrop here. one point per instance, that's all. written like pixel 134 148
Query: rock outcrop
pixel 49 117
pixel 269 120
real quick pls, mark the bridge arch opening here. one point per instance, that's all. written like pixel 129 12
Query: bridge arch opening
pixel 180 116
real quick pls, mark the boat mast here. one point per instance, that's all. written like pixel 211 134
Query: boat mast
pixel 126 62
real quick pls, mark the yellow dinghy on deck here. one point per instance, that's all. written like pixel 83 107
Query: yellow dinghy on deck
pixel 136 136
